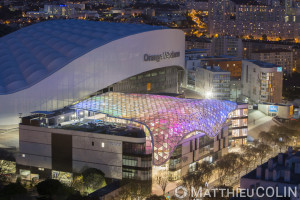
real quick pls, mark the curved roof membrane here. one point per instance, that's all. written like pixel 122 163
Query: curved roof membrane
pixel 169 119
pixel 33 53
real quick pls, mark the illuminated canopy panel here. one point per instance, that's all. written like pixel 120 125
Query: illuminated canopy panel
pixel 169 119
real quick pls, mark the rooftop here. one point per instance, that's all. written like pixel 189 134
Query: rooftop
pixel 263 64
pixel 215 69
pixel 271 51
pixel 281 163
pixel 33 53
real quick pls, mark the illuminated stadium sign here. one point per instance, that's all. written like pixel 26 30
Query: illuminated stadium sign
pixel 159 57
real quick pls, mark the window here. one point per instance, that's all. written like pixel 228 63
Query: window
pixel 129 173
pixel 92 143
pixel 102 145
pixel 130 161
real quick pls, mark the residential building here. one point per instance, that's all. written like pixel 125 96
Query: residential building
pixel 213 82
pixel 280 57
pixel 227 46
pixel 261 82
pixel 254 19
pixel 282 173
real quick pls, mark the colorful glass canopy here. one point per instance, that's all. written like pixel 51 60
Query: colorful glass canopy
pixel 169 119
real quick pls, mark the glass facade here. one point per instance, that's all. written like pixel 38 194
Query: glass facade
pixel 168 119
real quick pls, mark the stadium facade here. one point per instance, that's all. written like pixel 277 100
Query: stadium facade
pixel 52 64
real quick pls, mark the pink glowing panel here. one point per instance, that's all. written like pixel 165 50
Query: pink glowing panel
pixel 168 119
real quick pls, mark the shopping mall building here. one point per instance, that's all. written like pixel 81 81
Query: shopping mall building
pixel 125 135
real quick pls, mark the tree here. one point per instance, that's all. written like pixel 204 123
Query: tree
pixel 155 197
pixel 206 170
pixel 93 179
pixel 262 150
pixel 251 37
pixel 248 156
pixel 11 190
pixel 162 179
pixel 7 164
pixel 199 177
pixel 264 37
pixel 265 136
pixel 255 142
pixel 135 189
pixel 49 187
pixel 226 166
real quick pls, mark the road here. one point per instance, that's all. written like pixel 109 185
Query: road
pixel 257 122
pixel 9 137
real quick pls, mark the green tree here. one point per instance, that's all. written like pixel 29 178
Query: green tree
pixel 93 179
pixel 226 166
pixel 13 190
pixel 162 179
pixel 265 136
pixel 262 150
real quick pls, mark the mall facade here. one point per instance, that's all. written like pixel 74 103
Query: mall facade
pixel 126 136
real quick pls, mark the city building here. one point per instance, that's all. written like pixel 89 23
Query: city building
pixel 198 43
pixel 261 82
pixel 227 46
pixel 213 82
pixel 282 111
pixel 50 65
pixel 250 46
pixel 280 57
pixel 68 10
pixel 239 125
pixel 126 136
pixel 281 173
pixel 233 65
pixel 274 19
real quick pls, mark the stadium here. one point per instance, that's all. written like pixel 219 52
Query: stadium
pixel 52 64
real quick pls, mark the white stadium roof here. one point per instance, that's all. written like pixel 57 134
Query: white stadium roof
pixel 33 53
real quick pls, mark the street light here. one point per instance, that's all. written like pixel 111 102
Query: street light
pixel 208 94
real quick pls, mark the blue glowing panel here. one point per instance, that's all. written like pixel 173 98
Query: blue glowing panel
pixel 279 69
pixel 273 108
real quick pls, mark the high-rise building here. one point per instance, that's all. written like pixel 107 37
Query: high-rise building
pixel 254 18
pixel 280 57
pixel 261 82
pixel 227 46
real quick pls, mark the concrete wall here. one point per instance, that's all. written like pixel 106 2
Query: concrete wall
pixel 105 154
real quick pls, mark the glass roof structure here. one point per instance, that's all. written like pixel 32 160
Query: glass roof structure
pixel 168 119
